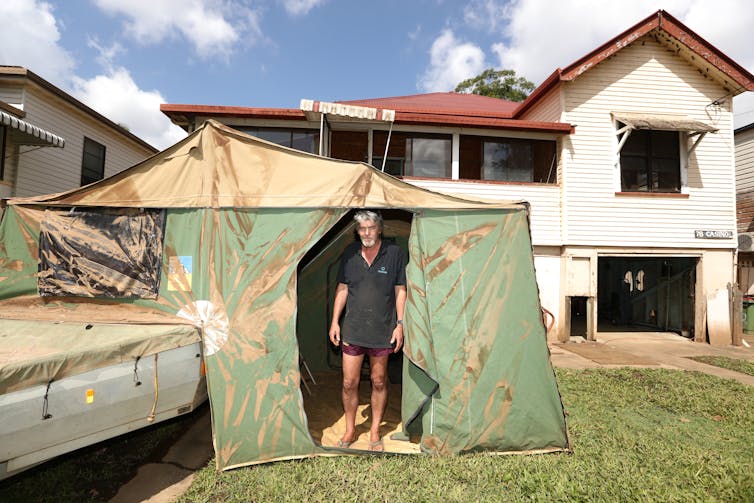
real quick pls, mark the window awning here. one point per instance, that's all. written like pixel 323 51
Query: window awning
pixel 25 133
pixel 663 122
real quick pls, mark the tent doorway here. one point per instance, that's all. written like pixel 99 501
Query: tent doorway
pixel 317 281
pixel 647 294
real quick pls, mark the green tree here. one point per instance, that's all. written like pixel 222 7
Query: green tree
pixel 502 84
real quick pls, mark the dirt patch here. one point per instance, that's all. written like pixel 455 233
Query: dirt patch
pixel 327 423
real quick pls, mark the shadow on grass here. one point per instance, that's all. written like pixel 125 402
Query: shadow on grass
pixel 95 473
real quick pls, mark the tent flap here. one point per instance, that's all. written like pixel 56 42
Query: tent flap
pixel 474 328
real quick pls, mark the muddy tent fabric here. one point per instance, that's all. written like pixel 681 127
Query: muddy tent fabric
pixel 240 214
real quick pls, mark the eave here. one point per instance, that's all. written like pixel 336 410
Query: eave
pixel 185 115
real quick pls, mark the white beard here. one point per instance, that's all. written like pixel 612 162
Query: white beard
pixel 368 243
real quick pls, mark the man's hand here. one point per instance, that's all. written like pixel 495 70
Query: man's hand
pixel 397 338
pixel 335 334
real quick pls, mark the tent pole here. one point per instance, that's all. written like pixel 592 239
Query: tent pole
pixel 321 132
pixel 387 144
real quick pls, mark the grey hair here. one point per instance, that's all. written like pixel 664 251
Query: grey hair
pixel 363 215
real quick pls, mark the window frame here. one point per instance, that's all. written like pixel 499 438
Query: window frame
pixel 400 153
pixel 92 162
pixel 3 150
pixel 680 157
pixel 290 131
pixel 535 148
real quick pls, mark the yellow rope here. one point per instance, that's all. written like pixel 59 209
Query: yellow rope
pixel 151 415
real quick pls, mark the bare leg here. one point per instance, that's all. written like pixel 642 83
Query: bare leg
pixel 378 366
pixel 351 377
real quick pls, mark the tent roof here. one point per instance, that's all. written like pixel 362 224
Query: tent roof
pixel 217 166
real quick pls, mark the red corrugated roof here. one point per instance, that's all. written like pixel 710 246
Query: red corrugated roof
pixel 437 109
pixel 443 103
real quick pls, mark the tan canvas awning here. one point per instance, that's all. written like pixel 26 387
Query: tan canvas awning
pixel 25 133
pixel 661 122
pixel 664 122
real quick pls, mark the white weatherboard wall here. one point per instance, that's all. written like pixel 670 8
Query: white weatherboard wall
pixel 543 198
pixel 645 77
pixel 52 169
pixel 745 161
pixel 547 270
pixel 548 109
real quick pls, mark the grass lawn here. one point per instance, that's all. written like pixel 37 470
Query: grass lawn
pixel 638 435
pixel 742 366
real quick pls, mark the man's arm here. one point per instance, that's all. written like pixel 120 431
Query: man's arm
pixel 341 294
pixel 400 309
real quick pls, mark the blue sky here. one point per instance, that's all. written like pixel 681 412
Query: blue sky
pixel 125 57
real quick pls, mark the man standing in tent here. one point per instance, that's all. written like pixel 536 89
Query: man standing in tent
pixel 372 290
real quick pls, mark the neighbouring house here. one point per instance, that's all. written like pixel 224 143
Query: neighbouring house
pixel 744 141
pixel 625 156
pixel 51 142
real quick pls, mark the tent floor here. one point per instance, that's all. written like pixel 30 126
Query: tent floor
pixel 327 422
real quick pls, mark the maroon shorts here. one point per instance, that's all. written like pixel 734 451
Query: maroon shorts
pixel 353 350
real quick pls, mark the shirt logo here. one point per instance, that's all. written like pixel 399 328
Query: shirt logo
pixel 382 270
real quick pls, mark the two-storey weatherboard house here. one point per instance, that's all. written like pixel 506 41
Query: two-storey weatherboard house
pixel 51 142
pixel 625 156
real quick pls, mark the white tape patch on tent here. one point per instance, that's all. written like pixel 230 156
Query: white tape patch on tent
pixel 213 322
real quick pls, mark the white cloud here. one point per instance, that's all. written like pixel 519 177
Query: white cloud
pixel 30 36
pixel 414 35
pixel 301 7
pixel 107 55
pixel 486 14
pixel 119 98
pixel 213 27
pixel 451 61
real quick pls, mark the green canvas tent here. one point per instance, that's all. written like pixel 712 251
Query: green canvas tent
pixel 225 232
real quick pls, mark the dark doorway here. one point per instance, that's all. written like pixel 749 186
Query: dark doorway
pixel 646 294
pixel 579 316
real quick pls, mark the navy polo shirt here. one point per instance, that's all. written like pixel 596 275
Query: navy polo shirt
pixel 370 306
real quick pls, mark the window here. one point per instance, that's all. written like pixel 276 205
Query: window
pixel 92 162
pixel 508 159
pixel 419 155
pixel 114 253
pixel 306 140
pixel 650 161
pixel 428 157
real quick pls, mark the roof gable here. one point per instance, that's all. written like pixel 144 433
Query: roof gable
pixel 676 35
pixel 671 33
